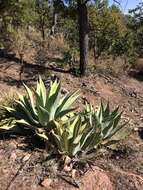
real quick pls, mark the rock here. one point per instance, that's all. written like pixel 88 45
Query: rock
pixel 136 129
pixel 47 183
pixel 134 181
pixel 84 99
pixel 67 160
pixel 13 156
pixel 96 179
pixel 64 91
pixel 68 168
pixel 13 144
pixel 26 157
pixel 74 173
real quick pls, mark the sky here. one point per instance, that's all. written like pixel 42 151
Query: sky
pixel 128 4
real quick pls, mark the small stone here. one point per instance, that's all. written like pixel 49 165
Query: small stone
pixel 96 179
pixel 74 173
pixel 84 99
pixel 21 145
pixel 26 157
pixel 117 157
pixel 47 182
pixel 136 129
pixel 13 156
pixel 64 91
pixel 67 160
pixel 67 168
pixel 13 145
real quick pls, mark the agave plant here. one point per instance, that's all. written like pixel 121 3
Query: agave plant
pixel 40 109
pixel 7 124
pixel 84 133
pixel 6 99
pixel 68 136
pixel 105 120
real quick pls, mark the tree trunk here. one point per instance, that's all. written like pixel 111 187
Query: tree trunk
pixel 95 51
pixel 42 28
pixel 54 24
pixel 83 36
pixel 22 65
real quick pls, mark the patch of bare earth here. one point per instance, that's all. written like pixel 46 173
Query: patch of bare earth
pixel 22 166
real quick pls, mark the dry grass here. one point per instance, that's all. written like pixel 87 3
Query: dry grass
pixel 57 43
pixel 7 97
pixel 115 67
pixel 139 64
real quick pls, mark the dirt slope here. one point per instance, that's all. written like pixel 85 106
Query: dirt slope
pixel 125 166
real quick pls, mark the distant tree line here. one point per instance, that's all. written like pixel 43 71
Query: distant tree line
pixel 86 26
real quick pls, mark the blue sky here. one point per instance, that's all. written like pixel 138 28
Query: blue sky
pixel 128 4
